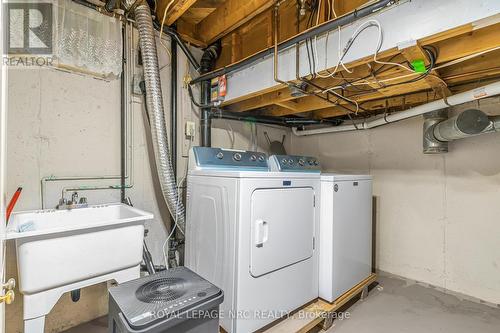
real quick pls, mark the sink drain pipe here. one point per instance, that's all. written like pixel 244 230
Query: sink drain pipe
pixel 154 103
pixel 461 98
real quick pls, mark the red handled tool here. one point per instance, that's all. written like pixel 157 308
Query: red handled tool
pixel 12 202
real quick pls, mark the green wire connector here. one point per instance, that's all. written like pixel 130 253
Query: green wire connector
pixel 419 66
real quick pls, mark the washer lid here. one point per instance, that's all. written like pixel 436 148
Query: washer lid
pixel 333 177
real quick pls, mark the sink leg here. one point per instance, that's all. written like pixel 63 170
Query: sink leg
pixel 34 325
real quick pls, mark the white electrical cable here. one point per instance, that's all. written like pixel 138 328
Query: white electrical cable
pixel 450 63
pixel 161 28
pixel 319 11
pixel 340 55
pixel 379 43
pixel 230 133
pixel 176 226
pixel 353 38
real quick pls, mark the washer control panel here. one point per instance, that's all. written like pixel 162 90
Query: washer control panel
pixel 294 163
pixel 207 157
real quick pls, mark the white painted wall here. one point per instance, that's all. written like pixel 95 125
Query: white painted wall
pixel 437 215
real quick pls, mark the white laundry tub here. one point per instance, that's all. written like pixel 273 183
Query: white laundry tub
pixel 63 250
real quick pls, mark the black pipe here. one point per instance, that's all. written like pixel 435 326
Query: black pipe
pixel 207 64
pixel 310 33
pixel 87 4
pixel 269 120
pixel 110 5
pixel 173 34
pixel 123 117
pixel 205 117
pixel 148 259
pixel 173 103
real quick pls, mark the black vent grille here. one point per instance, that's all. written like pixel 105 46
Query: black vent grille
pixel 162 290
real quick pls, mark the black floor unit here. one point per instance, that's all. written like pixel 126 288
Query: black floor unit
pixel 172 301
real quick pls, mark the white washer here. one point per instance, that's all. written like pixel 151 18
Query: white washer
pixel 346 233
pixel 252 233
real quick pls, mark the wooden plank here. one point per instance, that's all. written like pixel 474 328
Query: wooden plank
pixel 186 31
pixel 259 101
pixel 434 81
pixel 464 42
pixel 231 15
pixel 380 104
pixel 175 11
pixel 312 315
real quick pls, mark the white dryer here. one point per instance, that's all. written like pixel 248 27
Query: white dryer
pixel 253 233
pixel 346 233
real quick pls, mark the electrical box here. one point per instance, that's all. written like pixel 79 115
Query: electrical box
pixel 136 88
pixel 218 89
pixel 190 129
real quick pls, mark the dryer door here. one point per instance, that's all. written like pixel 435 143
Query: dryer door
pixel 282 228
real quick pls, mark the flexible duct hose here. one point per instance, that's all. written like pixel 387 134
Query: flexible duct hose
pixel 154 104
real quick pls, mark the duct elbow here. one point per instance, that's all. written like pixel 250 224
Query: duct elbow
pixel 468 123
pixel 209 57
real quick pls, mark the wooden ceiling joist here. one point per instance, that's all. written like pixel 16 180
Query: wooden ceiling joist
pixel 434 81
pixel 245 27
pixel 228 17
pixel 176 10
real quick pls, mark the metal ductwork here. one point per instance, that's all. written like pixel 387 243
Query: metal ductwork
pixel 431 145
pixel 468 123
pixel 439 130
pixel 140 9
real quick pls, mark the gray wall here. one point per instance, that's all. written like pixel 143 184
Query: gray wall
pixel 437 216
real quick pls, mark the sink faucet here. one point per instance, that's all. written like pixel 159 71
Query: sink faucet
pixel 73 203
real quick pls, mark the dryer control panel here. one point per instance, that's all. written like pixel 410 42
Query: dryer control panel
pixel 294 163
pixel 207 157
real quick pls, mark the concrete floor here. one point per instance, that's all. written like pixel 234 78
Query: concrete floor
pixel 398 307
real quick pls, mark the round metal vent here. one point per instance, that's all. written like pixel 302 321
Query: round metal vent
pixel 162 290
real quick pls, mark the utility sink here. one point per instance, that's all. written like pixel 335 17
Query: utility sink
pixel 64 250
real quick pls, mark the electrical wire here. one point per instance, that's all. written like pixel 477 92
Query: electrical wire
pixel 432 57
pixel 230 133
pixel 350 42
pixel 176 226
pixel 161 28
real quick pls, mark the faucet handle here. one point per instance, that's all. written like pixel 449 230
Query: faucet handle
pixel 74 197
pixel 62 202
